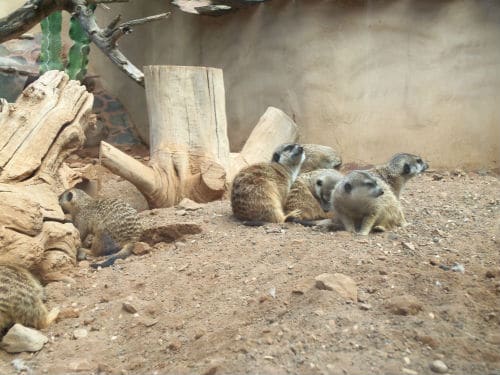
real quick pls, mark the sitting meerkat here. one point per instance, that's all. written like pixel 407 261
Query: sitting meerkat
pixel 113 223
pixel 317 157
pixel 310 195
pixel 398 170
pixel 21 299
pixel 363 202
pixel 259 191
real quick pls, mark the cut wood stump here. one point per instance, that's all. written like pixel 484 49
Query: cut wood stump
pixel 189 147
pixel 39 131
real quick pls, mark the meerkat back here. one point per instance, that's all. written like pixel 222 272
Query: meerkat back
pixel 21 299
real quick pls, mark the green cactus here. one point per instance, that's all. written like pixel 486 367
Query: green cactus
pixel 50 56
pixel 79 51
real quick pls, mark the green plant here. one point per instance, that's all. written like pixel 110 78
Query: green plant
pixel 50 56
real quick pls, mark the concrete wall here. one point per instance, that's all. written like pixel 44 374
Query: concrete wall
pixel 369 78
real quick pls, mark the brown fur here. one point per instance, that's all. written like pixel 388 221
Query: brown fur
pixel 113 223
pixel 397 171
pixel 369 204
pixel 21 299
pixel 259 191
pixel 317 157
pixel 310 195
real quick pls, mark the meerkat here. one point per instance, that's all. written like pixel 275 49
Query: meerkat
pixel 310 195
pixel 21 299
pixel 398 170
pixel 113 224
pixel 259 191
pixel 364 202
pixel 317 157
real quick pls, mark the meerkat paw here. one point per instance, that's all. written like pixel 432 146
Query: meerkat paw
pixel 379 228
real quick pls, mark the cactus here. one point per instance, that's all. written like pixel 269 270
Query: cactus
pixel 50 56
pixel 79 51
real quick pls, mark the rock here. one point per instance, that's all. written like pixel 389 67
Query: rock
pixel 342 284
pixel 181 212
pixel 365 306
pixel 493 273
pixel 303 286
pixel 404 305
pixel 103 368
pixel 174 345
pixel 409 246
pixel 23 339
pixel 148 322
pixel 493 338
pixel 439 367
pixel 128 307
pixel 80 333
pixel 167 232
pixel 189 205
pixel 141 248
pixel 428 340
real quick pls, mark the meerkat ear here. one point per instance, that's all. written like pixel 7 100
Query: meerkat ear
pixel 69 196
pixel 406 168
pixel 347 187
pixel 276 157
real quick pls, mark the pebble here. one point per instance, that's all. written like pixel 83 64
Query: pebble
pixel 439 367
pixel 409 246
pixel 80 333
pixel 189 205
pixel 365 306
pixel 128 307
pixel 23 339
pixel 174 345
pixel 141 248
pixel 340 283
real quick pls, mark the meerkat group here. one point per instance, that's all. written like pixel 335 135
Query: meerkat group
pixel 360 201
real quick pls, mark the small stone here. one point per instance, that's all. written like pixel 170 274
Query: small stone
pixel 409 246
pixel 103 368
pixel 189 205
pixel 181 212
pixel 80 333
pixel 342 284
pixel 141 248
pixel 404 305
pixel 428 340
pixel 129 308
pixel 458 267
pixel 493 338
pixel 23 339
pixel 148 322
pixel 303 286
pixel 438 366
pixel 365 306
pixel 174 345
pixel 493 273
pixel 409 371
pixel 199 335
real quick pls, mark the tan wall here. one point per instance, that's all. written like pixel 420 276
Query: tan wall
pixel 368 78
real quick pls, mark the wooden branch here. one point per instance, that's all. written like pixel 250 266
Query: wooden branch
pixel 105 39
pixel 34 11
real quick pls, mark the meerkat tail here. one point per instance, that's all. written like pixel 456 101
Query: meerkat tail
pixel 122 254
pixel 253 223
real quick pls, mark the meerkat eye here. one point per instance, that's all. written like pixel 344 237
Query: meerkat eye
pixel 319 183
pixel 288 148
pixel 347 187
pixel 370 184
pixel 276 157
pixel 69 196
pixel 419 161
pixel 406 168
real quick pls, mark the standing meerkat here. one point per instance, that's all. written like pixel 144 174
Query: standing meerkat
pixel 259 191
pixel 398 170
pixel 21 299
pixel 363 202
pixel 113 223
pixel 310 195
pixel 317 157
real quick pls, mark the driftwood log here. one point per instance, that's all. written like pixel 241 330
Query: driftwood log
pixel 189 146
pixel 39 131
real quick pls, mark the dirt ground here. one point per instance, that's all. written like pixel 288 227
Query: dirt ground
pixel 242 300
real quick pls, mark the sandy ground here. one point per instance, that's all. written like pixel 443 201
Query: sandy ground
pixel 243 300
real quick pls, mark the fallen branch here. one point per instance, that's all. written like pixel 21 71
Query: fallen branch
pixel 34 11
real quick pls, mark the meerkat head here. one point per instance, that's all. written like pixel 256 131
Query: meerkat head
pixel 291 155
pixel 407 165
pixel 70 199
pixel 324 184
pixel 360 185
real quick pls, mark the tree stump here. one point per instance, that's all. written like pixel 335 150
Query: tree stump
pixel 189 146
pixel 39 131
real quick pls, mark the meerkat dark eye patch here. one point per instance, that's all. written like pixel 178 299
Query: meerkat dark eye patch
pixel 319 182
pixel 69 196
pixel 347 187
pixel 370 184
pixel 406 168
pixel 419 161
pixel 276 157
pixel 288 148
